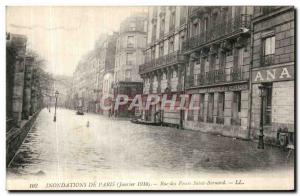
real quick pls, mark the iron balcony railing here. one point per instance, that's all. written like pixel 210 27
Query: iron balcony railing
pixel 218 31
pixel 268 59
pixel 169 59
pixel 217 77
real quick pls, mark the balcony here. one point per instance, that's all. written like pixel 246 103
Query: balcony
pixel 166 60
pixel 218 31
pixel 268 60
pixel 217 77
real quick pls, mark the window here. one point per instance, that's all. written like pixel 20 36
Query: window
pixel 201 110
pixel 128 75
pixel 222 59
pixel 172 20
pixel 153 32
pixel 162 27
pixel 130 41
pixel 205 24
pixel 161 49
pixel 268 105
pixel 153 53
pixel 132 26
pixel 183 10
pixel 269 45
pixel 190 116
pixel 236 108
pixel 195 29
pixel 241 56
pixel 268 50
pixel 221 107
pixel 214 19
pixel 210 108
pixel 171 45
pixel 129 58
pixel 182 38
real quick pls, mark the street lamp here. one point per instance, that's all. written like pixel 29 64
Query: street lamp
pixel 262 94
pixel 56 95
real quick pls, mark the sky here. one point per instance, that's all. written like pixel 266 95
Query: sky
pixel 62 35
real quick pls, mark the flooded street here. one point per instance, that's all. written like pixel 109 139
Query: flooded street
pixel 91 144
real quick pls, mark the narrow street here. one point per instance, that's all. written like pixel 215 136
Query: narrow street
pixel 69 145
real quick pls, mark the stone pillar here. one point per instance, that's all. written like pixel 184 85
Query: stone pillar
pixel 33 100
pixel 27 87
pixel 228 108
pixel 18 90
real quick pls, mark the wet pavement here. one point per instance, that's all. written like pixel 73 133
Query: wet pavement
pixel 91 143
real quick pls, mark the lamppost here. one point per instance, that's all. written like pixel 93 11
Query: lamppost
pixel 56 95
pixel 261 127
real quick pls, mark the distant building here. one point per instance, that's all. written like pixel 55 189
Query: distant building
pixel 105 73
pixel 63 85
pixel 273 69
pixel 131 44
pixel 163 68
pixel 84 80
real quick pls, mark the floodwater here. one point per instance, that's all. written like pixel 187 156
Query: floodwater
pixel 91 144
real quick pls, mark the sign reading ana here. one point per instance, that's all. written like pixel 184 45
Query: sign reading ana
pixel 273 74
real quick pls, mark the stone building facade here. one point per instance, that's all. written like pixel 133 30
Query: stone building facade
pixel 162 70
pixel 218 57
pixel 131 44
pixel 274 69
pixel 24 97
pixel 93 76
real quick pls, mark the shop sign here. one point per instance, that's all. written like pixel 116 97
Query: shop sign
pixel 273 74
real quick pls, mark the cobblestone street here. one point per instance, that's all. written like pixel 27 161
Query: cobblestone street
pixel 69 145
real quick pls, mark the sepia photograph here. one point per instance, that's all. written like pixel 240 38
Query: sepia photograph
pixel 150 98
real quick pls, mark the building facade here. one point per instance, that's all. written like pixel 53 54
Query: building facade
pixel 131 44
pixel 218 54
pixel 162 70
pixel 24 92
pixel 273 70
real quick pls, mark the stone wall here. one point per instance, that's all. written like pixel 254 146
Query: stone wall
pixel 16 136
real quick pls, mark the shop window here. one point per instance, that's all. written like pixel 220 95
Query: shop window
pixel 268 105
pixel 201 110
pixel 190 116
pixel 221 107
pixel 236 108
pixel 210 107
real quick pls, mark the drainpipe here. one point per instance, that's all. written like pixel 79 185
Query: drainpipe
pixel 250 80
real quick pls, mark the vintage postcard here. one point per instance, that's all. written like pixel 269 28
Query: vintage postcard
pixel 150 98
